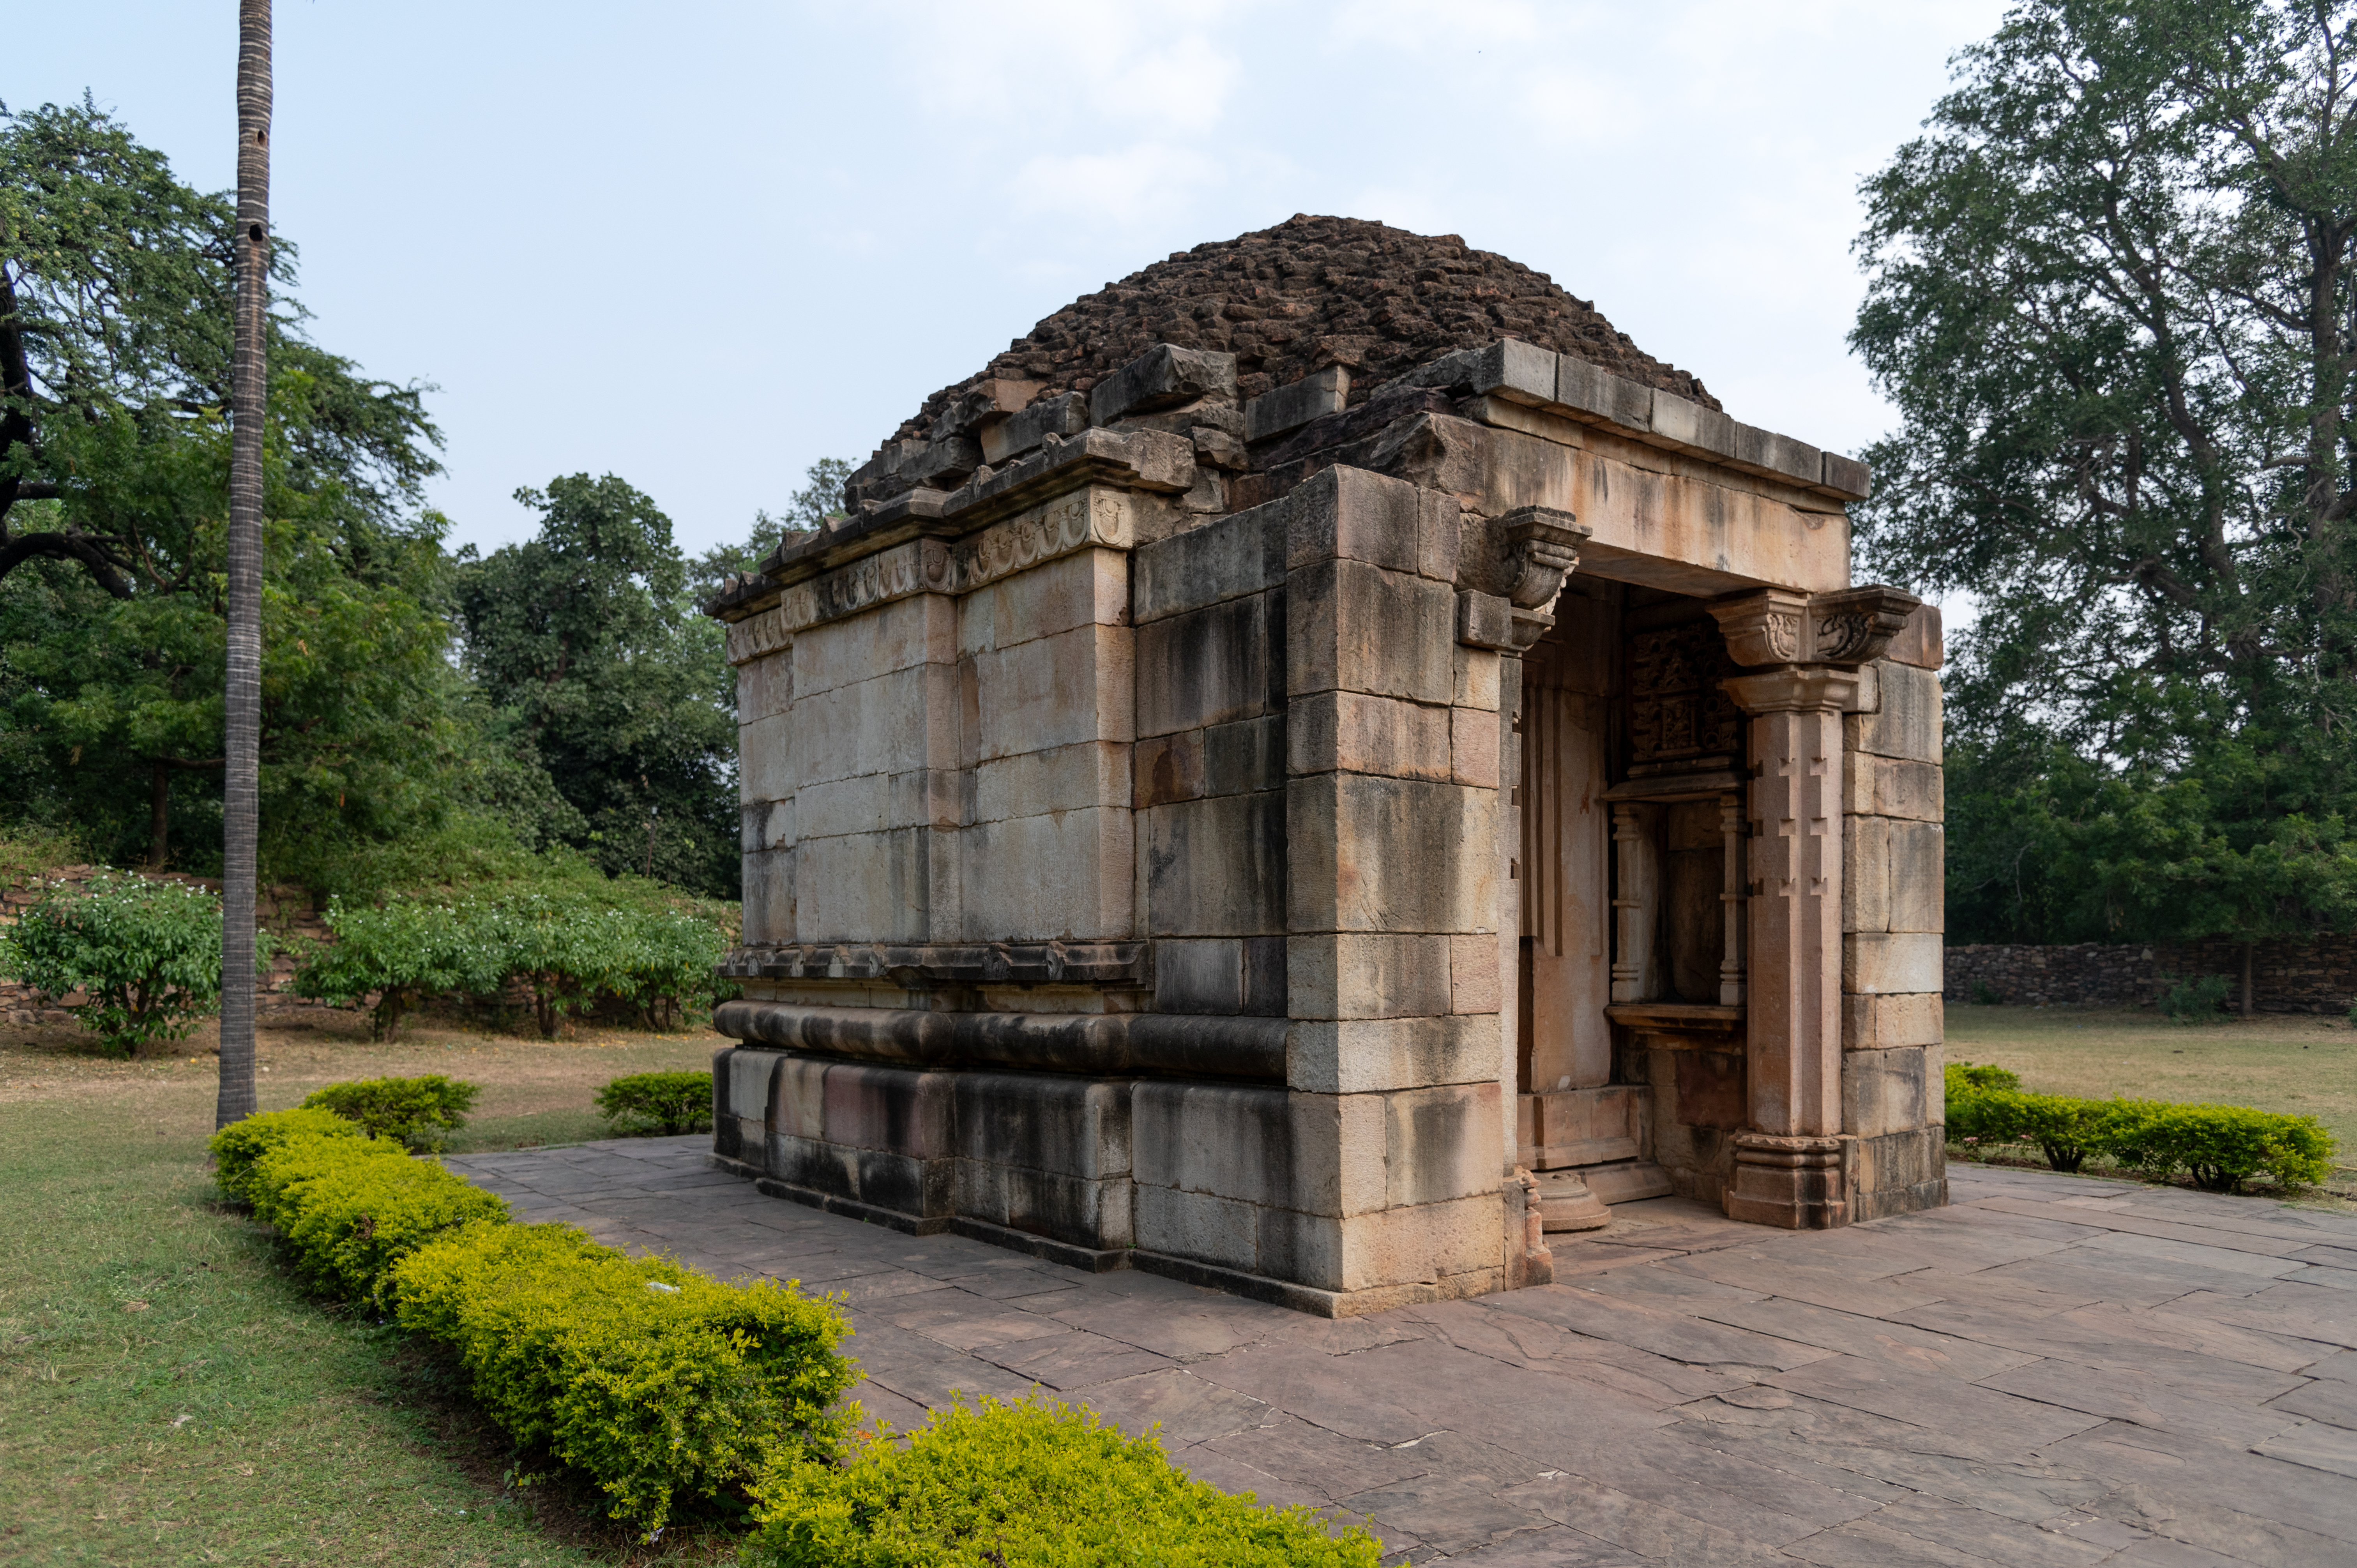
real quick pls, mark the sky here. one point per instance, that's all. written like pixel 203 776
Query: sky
pixel 701 245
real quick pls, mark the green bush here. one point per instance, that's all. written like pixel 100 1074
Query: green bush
pixel 2199 1000
pixel 350 1209
pixel 411 1111
pixel 1968 1076
pixel 651 1377
pixel 238 1145
pixel 663 1102
pixel 146 955
pixel 2220 1146
pixel 571 947
pixel 404 951
pixel 1030 1484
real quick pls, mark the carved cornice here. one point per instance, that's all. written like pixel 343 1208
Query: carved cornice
pixel 1849 628
pixel 1543 548
pixel 1096 517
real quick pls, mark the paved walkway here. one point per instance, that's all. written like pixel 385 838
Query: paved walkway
pixel 2051 1371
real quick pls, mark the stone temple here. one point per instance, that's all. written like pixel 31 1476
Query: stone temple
pixel 1321 765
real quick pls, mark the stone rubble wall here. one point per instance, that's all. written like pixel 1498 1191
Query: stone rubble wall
pixel 287 913
pixel 2315 974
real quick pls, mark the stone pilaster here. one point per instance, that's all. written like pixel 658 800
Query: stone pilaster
pixel 1793 988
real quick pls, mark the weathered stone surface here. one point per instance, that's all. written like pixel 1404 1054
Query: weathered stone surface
pixel 1163 376
pixel 1008 439
pixel 1216 866
pixel 1473 975
pixel 1317 309
pixel 1690 428
pixel 1882 964
pixel 1907 724
pixel 1245 755
pixel 1068 876
pixel 1056 691
pixel 1507 367
pixel 1473 748
pixel 1875 1023
pixel 1895 1089
pixel 1369 976
pixel 1359 628
pixel 1211 666
pixel 1350 731
pixel 1295 403
pixel 1349 514
pixel 1223 560
pixel 1374 1055
pixel 1372 853
pixel 1918 867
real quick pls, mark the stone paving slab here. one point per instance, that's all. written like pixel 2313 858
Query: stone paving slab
pixel 2054 1370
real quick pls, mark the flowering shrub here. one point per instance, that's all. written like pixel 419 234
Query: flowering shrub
pixel 656 1381
pixel 665 1103
pixel 146 955
pixel 1033 1483
pixel 411 1111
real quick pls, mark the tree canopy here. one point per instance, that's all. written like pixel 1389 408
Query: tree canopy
pixel 2113 292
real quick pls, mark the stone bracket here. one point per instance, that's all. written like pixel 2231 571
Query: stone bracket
pixel 1485 620
pixel 1543 548
pixel 1847 628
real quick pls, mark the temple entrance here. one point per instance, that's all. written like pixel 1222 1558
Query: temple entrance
pixel 1630 1048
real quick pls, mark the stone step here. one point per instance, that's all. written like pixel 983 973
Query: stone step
pixel 1627 1181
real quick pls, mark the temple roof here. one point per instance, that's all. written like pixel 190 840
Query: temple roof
pixel 1310 293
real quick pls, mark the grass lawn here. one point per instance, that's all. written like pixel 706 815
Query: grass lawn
pixel 167 1395
pixel 2296 1063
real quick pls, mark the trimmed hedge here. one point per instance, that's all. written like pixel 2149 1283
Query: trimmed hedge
pixel 655 1382
pixel 2219 1146
pixel 1029 1485
pixel 238 1145
pixel 647 1376
pixel 660 1102
pixel 413 1111
pixel 350 1209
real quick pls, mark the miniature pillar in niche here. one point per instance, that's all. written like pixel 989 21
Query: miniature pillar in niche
pixel 1636 902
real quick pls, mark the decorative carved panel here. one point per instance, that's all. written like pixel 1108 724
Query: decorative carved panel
pixel 1677 711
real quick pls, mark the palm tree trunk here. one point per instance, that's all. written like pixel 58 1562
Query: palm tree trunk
pixel 249 387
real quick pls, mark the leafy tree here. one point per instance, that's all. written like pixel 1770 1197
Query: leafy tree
pixel 585 640
pixel 820 497
pixel 115 295
pixel 2114 295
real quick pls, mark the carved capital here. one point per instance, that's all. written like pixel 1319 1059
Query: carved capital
pixel 1850 627
pixel 1794 687
pixel 1764 628
pixel 1543 548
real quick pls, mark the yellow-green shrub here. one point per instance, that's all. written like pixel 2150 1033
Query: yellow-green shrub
pixel 1029 1485
pixel 349 1209
pixel 237 1146
pixel 2220 1146
pixel 655 1381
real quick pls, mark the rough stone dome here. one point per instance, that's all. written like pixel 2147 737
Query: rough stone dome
pixel 1314 292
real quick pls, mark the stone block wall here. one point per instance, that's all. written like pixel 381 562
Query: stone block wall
pixel 1893 904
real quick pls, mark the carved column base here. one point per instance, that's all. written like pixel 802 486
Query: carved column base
pixel 1796 1184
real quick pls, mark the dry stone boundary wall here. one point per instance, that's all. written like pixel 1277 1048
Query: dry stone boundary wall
pixel 2316 974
